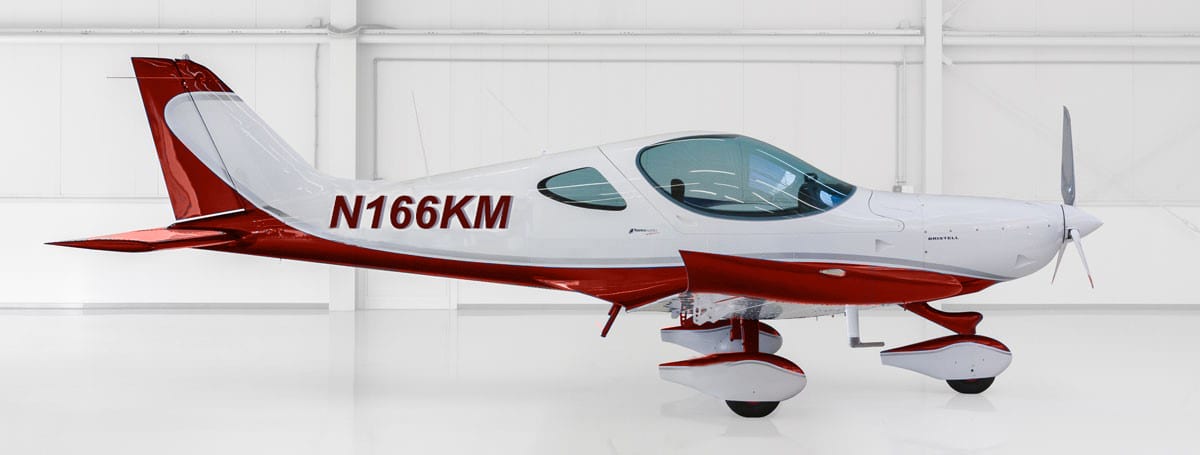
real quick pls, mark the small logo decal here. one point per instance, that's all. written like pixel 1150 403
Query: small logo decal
pixel 944 237
pixel 643 231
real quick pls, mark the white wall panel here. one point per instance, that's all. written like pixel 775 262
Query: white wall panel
pixel 290 13
pixel 1166 145
pixel 29 14
pixel 594 14
pixel 285 93
pixel 635 14
pixel 693 96
pixel 163 13
pixel 462 14
pixel 477 117
pixel 1001 15
pixel 694 14
pixel 522 93
pixel 29 122
pixel 1166 15
pixel 38 274
pixel 1134 129
pixel 426 94
pixel 785 14
pixel 88 13
pixel 1077 15
pixel 595 102
pixel 207 14
pixel 1086 16
pixel 1001 145
pixel 868 100
pixel 106 144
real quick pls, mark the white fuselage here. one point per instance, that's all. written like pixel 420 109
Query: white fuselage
pixel 984 238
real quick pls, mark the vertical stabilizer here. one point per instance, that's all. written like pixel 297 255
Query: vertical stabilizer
pixel 195 190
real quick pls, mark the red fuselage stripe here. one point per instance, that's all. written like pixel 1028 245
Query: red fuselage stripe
pixel 263 235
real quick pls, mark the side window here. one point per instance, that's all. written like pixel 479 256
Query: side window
pixel 739 177
pixel 583 187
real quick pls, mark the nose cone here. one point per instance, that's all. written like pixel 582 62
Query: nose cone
pixel 1078 219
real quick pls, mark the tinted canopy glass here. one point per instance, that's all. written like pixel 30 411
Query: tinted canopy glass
pixel 583 187
pixel 738 176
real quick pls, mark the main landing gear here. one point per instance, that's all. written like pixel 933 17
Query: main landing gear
pixel 969 363
pixel 738 365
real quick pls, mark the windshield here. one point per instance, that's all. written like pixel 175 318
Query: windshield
pixel 738 176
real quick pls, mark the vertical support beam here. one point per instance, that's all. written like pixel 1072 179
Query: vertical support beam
pixel 933 96
pixel 342 401
pixel 340 157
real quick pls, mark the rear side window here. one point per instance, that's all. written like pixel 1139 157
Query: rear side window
pixel 583 187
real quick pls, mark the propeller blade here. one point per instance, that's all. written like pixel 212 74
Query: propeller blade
pixel 1061 249
pixel 1068 160
pixel 1078 239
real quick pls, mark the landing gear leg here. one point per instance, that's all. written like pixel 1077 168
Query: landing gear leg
pixel 752 409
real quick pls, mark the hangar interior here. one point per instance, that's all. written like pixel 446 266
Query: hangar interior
pixel 937 96
pixel 840 84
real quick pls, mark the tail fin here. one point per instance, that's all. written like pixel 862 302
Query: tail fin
pixel 218 155
pixel 194 187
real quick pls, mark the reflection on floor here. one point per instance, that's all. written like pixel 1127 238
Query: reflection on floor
pixel 145 382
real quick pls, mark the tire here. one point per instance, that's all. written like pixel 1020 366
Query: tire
pixel 970 386
pixel 752 409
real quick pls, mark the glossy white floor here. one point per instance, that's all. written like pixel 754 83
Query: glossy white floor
pixel 205 382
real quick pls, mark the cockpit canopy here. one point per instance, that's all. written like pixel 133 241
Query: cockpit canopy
pixel 740 177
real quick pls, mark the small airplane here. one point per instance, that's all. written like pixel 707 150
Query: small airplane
pixel 720 230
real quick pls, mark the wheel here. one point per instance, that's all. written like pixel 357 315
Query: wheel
pixel 752 408
pixel 970 386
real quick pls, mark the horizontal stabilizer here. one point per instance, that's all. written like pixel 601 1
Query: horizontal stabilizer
pixel 152 240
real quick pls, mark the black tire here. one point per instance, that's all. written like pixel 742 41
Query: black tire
pixel 752 409
pixel 970 386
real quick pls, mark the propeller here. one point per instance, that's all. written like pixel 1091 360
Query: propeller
pixel 1068 160
pixel 1076 223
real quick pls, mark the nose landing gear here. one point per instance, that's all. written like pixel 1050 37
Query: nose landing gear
pixel 969 363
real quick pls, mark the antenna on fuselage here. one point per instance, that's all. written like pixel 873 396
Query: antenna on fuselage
pixel 512 114
pixel 420 136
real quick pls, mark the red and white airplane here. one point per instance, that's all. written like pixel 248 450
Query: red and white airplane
pixel 721 230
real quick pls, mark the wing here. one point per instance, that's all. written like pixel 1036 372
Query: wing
pixel 813 282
